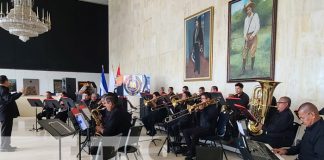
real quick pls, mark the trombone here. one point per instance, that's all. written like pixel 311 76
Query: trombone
pixel 175 102
pixel 153 101
pixel 189 110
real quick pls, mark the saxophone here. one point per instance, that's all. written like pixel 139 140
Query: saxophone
pixel 260 103
pixel 96 115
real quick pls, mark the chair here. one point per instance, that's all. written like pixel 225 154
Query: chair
pixel 294 130
pixel 107 147
pixel 131 142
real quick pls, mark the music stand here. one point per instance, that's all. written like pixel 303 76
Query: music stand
pixel 35 103
pixel 68 103
pixel 246 112
pixel 85 111
pixel 57 129
pixel 83 125
pixel 218 96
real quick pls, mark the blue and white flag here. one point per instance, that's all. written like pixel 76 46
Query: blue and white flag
pixel 103 83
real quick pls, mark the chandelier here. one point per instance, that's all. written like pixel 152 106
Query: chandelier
pixel 22 21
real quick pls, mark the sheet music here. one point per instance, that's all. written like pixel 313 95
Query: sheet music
pixel 277 155
pixel 240 128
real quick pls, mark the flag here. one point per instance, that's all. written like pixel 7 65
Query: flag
pixel 119 77
pixel 111 83
pixel 118 71
pixel 103 83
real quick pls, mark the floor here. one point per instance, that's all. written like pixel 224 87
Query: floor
pixel 41 145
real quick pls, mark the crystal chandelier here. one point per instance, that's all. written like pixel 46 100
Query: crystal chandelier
pixel 22 21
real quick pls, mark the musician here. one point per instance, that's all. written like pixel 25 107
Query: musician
pixel 214 89
pixel 87 98
pixel 94 101
pixel 162 91
pixel 156 116
pixel 278 130
pixel 184 122
pixel 170 91
pixel 8 111
pixel 206 127
pixel 185 88
pixel 312 143
pixel 244 98
pixel 47 111
pixel 115 120
pixel 62 113
pixel 201 90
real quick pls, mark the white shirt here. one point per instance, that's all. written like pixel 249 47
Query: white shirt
pixel 254 26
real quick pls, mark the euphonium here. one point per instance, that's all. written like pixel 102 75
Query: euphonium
pixel 260 103
pixel 96 115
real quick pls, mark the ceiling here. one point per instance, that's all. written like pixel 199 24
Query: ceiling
pixel 103 2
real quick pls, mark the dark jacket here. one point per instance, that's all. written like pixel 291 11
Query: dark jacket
pixel 8 106
pixel 244 99
pixel 116 122
pixel 280 124
pixel 312 144
pixel 208 117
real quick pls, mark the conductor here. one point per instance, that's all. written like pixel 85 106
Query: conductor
pixel 8 111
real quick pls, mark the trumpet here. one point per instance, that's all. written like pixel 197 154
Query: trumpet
pixel 189 110
pixel 175 102
pixel 153 101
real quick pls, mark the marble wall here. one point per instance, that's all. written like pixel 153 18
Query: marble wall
pixel 147 36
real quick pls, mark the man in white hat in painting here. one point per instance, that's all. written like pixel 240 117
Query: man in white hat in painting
pixel 251 28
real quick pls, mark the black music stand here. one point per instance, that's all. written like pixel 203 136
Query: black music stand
pixel 68 103
pixel 218 96
pixel 246 112
pixel 57 129
pixel 35 103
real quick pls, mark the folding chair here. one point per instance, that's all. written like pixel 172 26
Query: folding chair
pixel 131 143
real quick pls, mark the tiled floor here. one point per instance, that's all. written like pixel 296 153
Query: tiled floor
pixel 42 146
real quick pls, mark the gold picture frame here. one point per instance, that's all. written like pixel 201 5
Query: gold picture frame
pixel 198 45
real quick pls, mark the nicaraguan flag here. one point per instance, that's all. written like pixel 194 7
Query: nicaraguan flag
pixel 103 83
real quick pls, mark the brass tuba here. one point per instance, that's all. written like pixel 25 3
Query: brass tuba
pixel 260 103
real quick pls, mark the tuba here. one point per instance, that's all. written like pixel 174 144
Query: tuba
pixel 260 103
pixel 96 115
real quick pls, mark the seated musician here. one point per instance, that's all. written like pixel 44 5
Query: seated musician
pixel 201 90
pixel 115 120
pixel 185 88
pixel 156 116
pixel 162 91
pixel 214 89
pixel 62 113
pixel 94 101
pixel 183 122
pixel 170 91
pixel 47 111
pixel 206 127
pixel 312 143
pixel 244 98
pixel 277 131
pixel 87 98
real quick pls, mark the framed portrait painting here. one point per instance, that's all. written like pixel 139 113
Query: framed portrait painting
pixel 57 85
pixel 251 40
pixel 199 45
